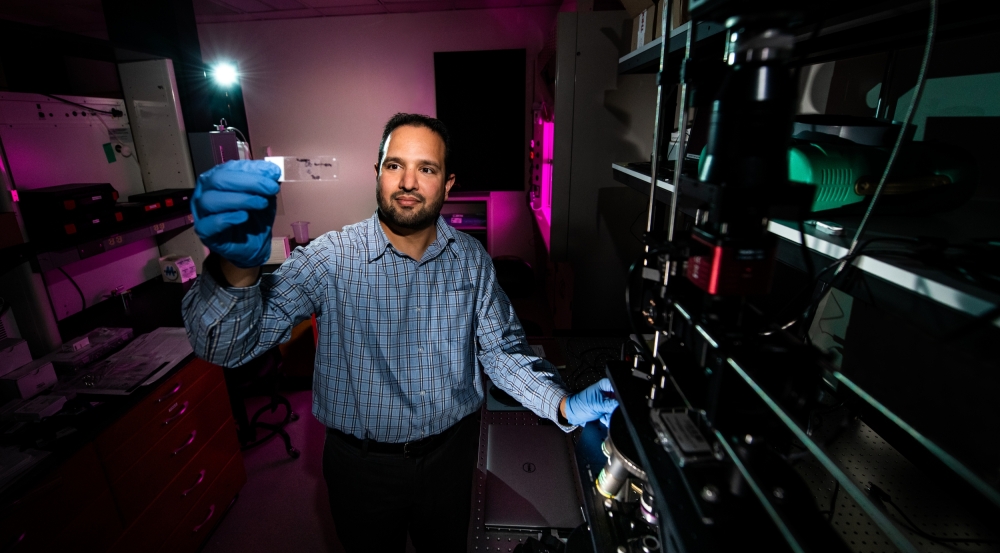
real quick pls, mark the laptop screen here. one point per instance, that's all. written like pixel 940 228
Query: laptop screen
pixel 530 478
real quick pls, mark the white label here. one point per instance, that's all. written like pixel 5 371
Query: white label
pixel 641 38
pixel 120 135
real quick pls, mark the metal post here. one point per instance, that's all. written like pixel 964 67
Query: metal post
pixel 681 135
pixel 658 124
pixel 882 108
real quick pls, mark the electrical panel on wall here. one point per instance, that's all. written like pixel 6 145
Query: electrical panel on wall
pixel 52 142
pixel 48 142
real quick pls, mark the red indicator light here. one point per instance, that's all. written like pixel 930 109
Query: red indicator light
pixel 69 204
pixel 118 216
pixel 713 279
pixel 151 207
pixel 70 228
pixel 170 202
pixel 115 195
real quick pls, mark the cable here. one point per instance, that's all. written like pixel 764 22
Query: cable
pixel 917 92
pixel 114 136
pixel 817 277
pixel 590 367
pixel 83 299
pixel 833 498
pixel 842 262
pixel 239 133
pixel 244 139
pixel 113 112
pixel 636 346
pixel 806 257
pixel 878 495
pixel 223 127
pixel 628 302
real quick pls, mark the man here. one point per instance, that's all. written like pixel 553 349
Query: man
pixel 407 306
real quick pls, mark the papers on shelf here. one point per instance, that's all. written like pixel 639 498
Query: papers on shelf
pixel 147 359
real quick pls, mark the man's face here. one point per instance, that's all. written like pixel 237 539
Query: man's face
pixel 411 181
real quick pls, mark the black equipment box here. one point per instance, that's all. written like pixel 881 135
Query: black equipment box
pixel 67 199
pixel 166 199
pixel 70 229
pixel 65 214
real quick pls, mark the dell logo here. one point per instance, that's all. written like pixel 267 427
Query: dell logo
pixel 528 467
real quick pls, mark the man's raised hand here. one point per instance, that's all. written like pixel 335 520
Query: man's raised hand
pixel 234 205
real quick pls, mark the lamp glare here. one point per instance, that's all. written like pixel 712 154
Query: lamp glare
pixel 224 74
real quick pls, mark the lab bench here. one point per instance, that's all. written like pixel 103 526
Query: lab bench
pixel 153 471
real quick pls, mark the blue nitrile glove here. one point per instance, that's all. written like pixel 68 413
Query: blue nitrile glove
pixel 234 206
pixel 597 401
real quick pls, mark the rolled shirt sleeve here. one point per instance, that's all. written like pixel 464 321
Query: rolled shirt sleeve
pixel 508 359
pixel 231 326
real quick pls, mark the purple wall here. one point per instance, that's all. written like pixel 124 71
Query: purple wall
pixel 326 86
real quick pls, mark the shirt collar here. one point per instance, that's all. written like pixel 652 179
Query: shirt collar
pixel 377 242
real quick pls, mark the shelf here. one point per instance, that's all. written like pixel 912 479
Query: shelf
pixel 911 277
pixel 860 27
pixel 849 29
pixel 640 182
pixel 50 260
pixel 647 58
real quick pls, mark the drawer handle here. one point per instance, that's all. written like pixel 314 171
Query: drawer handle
pixel 184 408
pixel 211 511
pixel 201 478
pixel 176 389
pixel 189 441
pixel 13 543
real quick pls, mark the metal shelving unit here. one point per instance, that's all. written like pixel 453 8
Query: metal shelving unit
pixel 908 461
pixel 910 277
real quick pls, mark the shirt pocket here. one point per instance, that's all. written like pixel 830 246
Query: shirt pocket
pixel 451 321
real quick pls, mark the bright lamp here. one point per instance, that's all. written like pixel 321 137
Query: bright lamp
pixel 224 74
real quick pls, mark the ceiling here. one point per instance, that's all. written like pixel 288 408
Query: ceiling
pixel 86 17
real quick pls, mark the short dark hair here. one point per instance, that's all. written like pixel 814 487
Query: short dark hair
pixel 416 120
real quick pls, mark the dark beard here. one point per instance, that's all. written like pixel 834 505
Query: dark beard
pixel 414 220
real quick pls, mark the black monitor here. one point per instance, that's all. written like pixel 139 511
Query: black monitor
pixel 480 98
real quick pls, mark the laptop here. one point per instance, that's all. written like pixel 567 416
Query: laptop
pixel 529 479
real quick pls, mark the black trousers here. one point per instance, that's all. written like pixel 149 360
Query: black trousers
pixel 377 498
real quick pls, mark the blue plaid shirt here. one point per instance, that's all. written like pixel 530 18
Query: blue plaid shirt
pixel 398 338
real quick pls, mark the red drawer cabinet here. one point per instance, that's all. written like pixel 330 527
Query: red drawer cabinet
pixel 163 473
pixel 178 498
pixel 131 436
pixel 142 483
pixel 162 466
pixel 203 517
